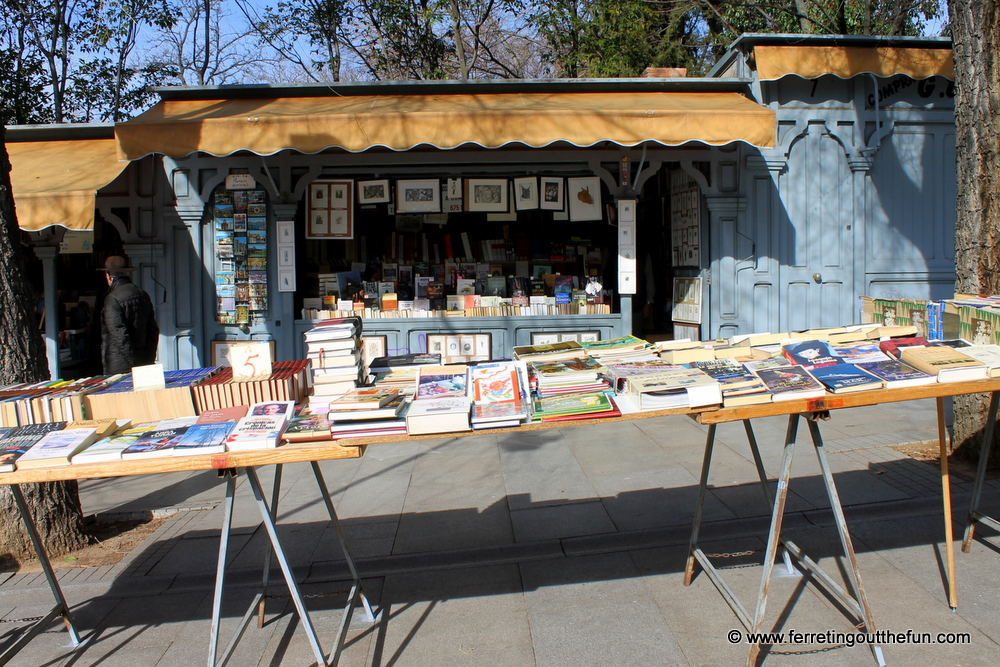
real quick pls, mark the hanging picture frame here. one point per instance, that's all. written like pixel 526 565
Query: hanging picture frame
pixel 330 214
pixel 374 192
pixel 551 193
pixel 584 197
pixel 418 196
pixel 487 194
pixel 526 193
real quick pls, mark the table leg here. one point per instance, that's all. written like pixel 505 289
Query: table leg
pixel 286 569
pixel 357 593
pixel 702 486
pixel 220 578
pixel 845 537
pixel 774 535
pixel 275 494
pixel 61 608
pixel 757 461
pixel 977 489
pixel 949 536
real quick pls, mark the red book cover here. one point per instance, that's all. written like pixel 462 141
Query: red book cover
pixel 893 346
pixel 447 247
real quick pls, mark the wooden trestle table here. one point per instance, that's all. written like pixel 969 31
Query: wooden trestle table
pixel 815 410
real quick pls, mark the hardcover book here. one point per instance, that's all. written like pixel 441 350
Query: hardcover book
pixel 949 364
pixel 843 378
pixel 20 439
pixel 493 383
pixel 894 346
pixel 569 349
pixel 438 415
pixel 441 382
pixel 987 354
pixel 307 427
pixel 811 354
pixel 894 373
pixel 204 438
pixel 790 382
pixel 689 387
pixel 362 398
pixel 391 409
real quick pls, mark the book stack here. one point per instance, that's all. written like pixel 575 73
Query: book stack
pixel 739 386
pixel 587 405
pixel 111 447
pixel 569 349
pixel 306 426
pixel 626 348
pixel 333 348
pixel 571 376
pixel 175 399
pixel 287 381
pixel 368 412
pixel 499 394
pixel 618 373
pixel 400 371
pixel 681 388
pixel 440 401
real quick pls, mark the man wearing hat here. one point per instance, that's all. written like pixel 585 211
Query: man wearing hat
pixel 129 333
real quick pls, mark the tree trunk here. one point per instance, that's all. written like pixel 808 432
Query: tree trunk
pixel 54 506
pixel 975 26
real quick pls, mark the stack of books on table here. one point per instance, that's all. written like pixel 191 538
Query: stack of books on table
pixel 569 349
pixel 499 394
pixel 569 376
pixel 333 348
pixel 739 385
pixel 175 399
pixel 287 381
pixel 586 405
pixel 626 348
pixel 367 412
pixel 681 388
pixel 60 400
pixel 440 401
pixel 617 373
pixel 400 371
pixel 307 426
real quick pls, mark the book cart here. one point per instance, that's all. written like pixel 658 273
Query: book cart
pixel 814 410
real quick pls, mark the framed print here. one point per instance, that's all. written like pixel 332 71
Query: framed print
pixel 373 192
pixel 525 193
pixel 286 231
pixel 584 197
pixel 626 210
pixel 487 194
pixel 436 344
pixel 330 214
pixel 550 337
pixel 551 193
pixel 286 256
pixel 560 215
pixel 454 188
pixel 373 347
pixel 286 280
pixel 338 195
pixel 221 349
pixel 422 196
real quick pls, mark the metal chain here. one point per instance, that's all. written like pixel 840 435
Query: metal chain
pixel 29 619
pixel 735 554
pixel 807 651
pixel 305 596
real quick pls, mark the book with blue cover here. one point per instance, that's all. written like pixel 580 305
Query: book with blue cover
pixel 811 354
pixel 843 378
pixel 894 373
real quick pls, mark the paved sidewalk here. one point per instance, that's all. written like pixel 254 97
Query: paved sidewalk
pixel 541 548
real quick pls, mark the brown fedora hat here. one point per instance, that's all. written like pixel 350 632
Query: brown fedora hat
pixel 116 263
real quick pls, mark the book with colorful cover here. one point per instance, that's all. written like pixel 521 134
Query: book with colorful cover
pixel 790 382
pixel 491 414
pixel 843 378
pixel 20 439
pixel 219 415
pixel 729 373
pixel 441 382
pixel 55 448
pixel 158 442
pixel 363 398
pixel 306 427
pixel 493 383
pixel 894 373
pixel 860 352
pixel 204 438
pixel 811 354
pixel 618 373
pixel 894 346
pixel 569 405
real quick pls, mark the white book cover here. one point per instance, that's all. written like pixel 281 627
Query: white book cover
pixel 106 449
pixel 57 448
pixel 262 427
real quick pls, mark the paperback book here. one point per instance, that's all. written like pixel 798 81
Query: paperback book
pixel 790 382
pixel 811 354
pixel 844 378
pixel 20 439
pixel 204 438
pixel 262 427
pixel 894 373
pixel 158 442
pixel 441 382
pixel 55 448
pixel 949 364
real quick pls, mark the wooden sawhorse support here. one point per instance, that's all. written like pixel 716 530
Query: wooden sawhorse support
pixel 975 516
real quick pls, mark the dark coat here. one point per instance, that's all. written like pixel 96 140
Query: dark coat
pixel 129 333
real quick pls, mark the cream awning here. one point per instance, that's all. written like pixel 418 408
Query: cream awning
pixel 56 182
pixel 400 122
pixel 809 62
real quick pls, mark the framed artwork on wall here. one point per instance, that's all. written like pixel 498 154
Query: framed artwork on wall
pixel 374 192
pixel 525 193
pixel 330 214
pixel 487 194
pixel 221 348
pixel 551 193
pixel 418 196
pixel 584 197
